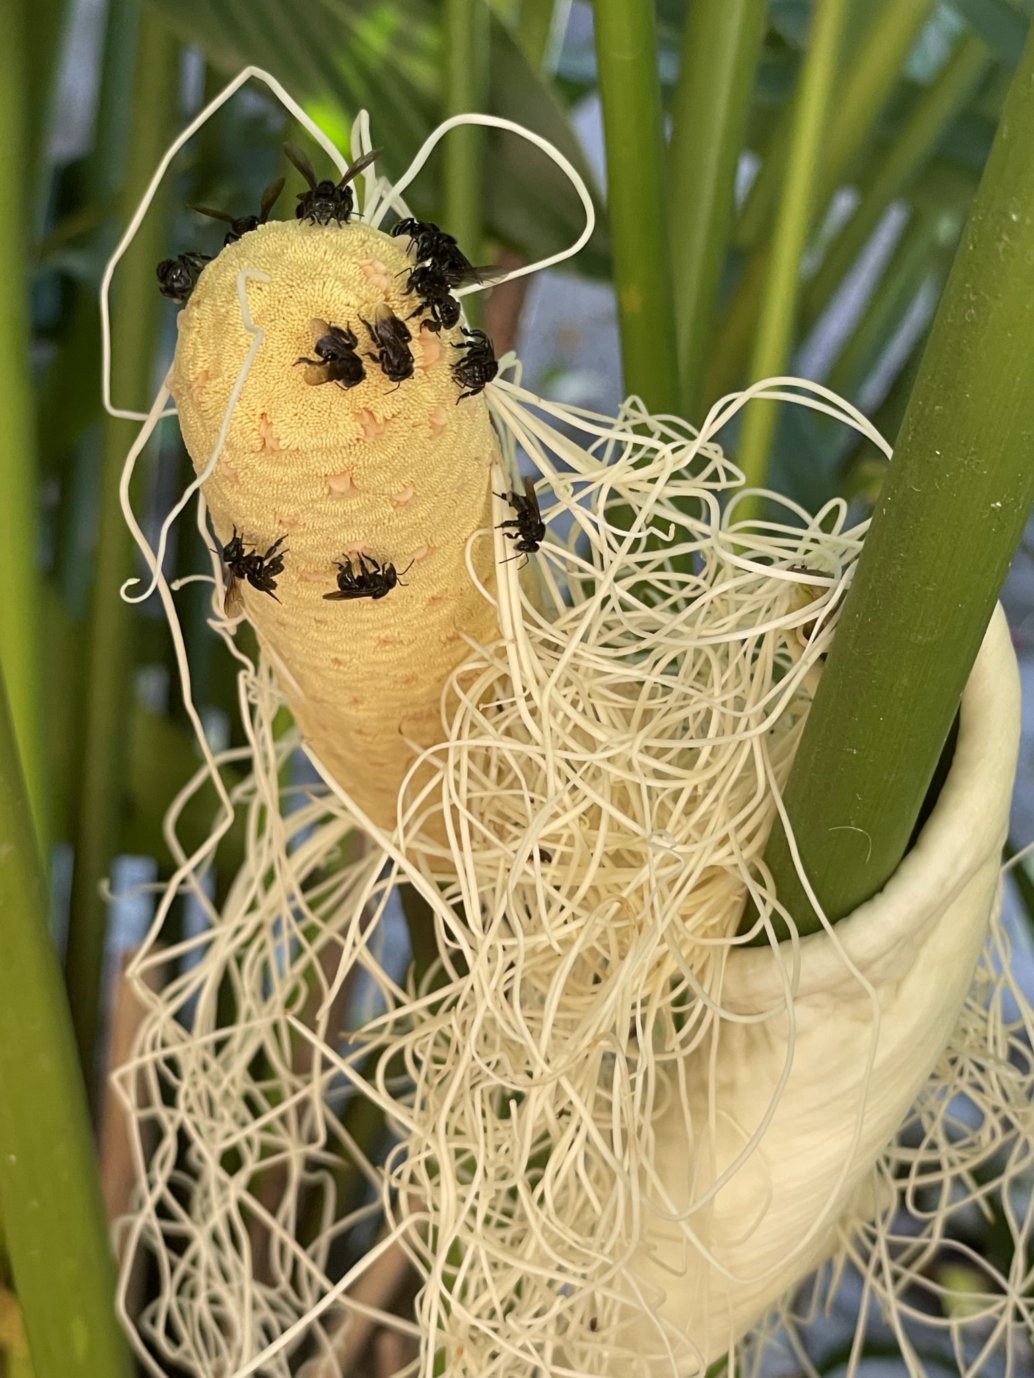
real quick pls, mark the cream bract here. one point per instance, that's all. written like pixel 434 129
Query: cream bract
pixel 855 1021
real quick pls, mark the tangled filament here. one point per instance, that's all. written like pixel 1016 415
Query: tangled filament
pixel 320 1104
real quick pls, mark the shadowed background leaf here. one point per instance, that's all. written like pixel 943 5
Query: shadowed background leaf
pixel 334 55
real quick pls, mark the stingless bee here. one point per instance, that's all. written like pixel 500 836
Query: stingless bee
pixel 478 365
pixel 177 277
pixel 529 528
pixel 337 358
pixel 242 225
pixel 326 201
pixel 365 577
pixel 261 571
pixel 392 337
pixel 436 299
pixel 433 246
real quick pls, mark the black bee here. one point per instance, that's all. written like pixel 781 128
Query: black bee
pixel 326 201
pixel 392 338
pixel 177 277
pixel 422 236
pixel 435 299
pixel 478 366
pixel 431 245
pixel 337 359
pixel 366 578
pixel 530 529
pixel 245 223
pixel 260 571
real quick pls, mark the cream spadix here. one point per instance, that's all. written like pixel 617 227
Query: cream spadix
pixel 399 472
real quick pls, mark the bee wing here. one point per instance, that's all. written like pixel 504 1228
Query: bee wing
pixel 315 374
pixel 208 210
pixel 269 198
pixel 302 163
pixel 233 601
pixel 319 328
pixel 484 274
pixel 360 163
pixel 385 316
pixel 529 492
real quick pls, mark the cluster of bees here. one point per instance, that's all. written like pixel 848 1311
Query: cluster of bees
pixel 362 576
pixel 440 266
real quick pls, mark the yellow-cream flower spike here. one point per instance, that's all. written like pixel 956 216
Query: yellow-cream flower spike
pixel 378 476
pixel 607 1138
pixel 397 473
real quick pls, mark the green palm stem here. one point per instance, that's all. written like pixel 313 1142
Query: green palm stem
pixel 730 346
pixel 1023 882
pixel 913 146
pixel 888 416
pixel 419 919
pixel 135 316
pixel 778 310
pixel 68 424
pixel 721 42
pixel 535 28
pixel 926 241
pixel 868 77
pixel 863 468
pixel 626 57
pixel 466 89
pixel 962 478
pixel 867 82
pixel 42 25
pixel 50 1199
pixel 20 651
pixel 15 1361
pixel 68 400
pixel 107 159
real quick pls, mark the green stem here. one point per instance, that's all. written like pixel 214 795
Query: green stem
pixel 868 78
pixel 862 471
pixel 891 412
pixel 135 316
pixel 779 296
pixel 731 345
pixel 43 23
pixel 709 115
pixel 466 90
pixel 1022 880
pixel 20 654
pixel 535 25
pixel 918 257
pixel 913 145
pixel 961 480
pixel 869 75
pixel 420 925
pixel 49 1191
pixel 626 55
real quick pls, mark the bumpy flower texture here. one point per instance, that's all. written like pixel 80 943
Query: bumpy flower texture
pixel 567 763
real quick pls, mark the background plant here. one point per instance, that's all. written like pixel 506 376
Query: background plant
pixel 858 130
